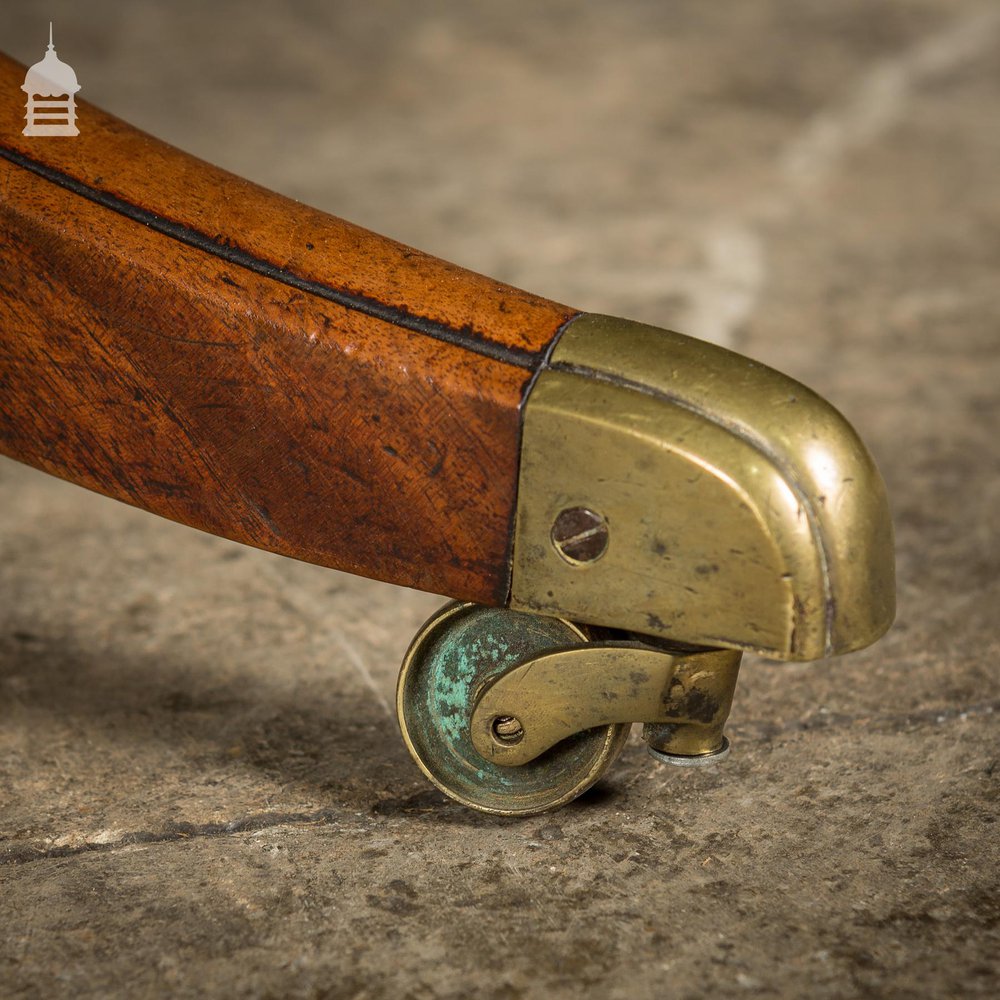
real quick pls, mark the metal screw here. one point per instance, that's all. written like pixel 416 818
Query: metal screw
pixel 507 729
pixel 580 535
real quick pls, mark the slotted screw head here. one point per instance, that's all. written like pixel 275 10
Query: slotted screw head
pixel 580 535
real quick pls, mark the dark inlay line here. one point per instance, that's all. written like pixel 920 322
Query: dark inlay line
pixel 464 337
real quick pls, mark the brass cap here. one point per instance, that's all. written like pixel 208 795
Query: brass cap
pixel 741 509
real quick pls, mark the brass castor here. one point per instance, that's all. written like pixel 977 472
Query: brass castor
pixel 515 714
pixel 457 653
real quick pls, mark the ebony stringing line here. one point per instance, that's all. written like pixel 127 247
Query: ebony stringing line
pixel 395 315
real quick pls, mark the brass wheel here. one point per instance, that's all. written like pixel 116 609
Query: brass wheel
pixel 457 651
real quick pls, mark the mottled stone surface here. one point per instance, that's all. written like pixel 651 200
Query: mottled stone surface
pixel 202 789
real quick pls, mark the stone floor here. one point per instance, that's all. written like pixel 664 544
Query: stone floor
pixel 202 787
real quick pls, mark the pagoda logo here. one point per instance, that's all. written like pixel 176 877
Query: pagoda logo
pixel 51 87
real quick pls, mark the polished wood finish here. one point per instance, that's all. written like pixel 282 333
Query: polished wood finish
pixel 181 339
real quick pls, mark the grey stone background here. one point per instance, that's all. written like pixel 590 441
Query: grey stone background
pixel 202 789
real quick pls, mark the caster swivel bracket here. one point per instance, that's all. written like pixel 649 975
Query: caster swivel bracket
pixel 552 696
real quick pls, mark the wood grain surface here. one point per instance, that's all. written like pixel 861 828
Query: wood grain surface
pixel 183 340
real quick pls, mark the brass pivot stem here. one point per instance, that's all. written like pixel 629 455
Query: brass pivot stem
pixel 549 697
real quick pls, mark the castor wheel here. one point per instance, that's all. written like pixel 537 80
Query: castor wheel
pixel 454 657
